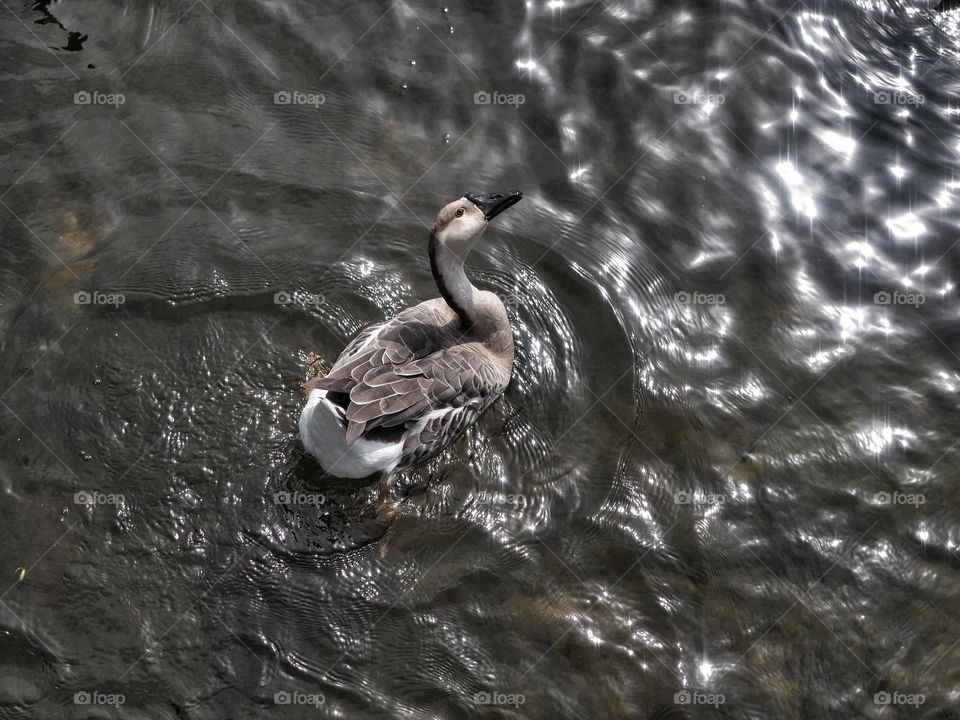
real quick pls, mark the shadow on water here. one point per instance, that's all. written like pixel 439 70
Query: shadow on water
pixel 75 39
pixel 317 514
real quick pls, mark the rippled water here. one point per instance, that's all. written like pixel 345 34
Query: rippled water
pixel 722 482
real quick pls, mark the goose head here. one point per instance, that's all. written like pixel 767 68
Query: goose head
pixel 460 223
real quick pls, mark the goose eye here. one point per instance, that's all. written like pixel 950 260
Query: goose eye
pixel 459 212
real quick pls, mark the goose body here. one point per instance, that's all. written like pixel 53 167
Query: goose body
pixel 404 389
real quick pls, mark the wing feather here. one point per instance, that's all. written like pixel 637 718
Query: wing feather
pixel 409 368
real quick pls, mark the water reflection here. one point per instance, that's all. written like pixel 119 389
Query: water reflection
pixel 736 377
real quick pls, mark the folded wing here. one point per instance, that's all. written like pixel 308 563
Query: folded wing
pixel 445 385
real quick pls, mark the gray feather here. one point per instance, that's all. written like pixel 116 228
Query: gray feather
pixel 422 361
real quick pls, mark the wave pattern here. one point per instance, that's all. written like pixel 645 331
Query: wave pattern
pixel 721 478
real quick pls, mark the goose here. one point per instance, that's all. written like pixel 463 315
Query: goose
pixel 406 388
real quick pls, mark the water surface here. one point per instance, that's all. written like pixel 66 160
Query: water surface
pixel 722 482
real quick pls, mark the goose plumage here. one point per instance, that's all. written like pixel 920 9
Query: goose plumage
pixel 404 389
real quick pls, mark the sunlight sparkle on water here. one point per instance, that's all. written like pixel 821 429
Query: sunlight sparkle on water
pixel 906 227
pixel 799 194
pixel 804 286
pixel 706 670
pixel 865 249
pixel 852 320
pixel 752 390
pixel 878 438
pixel 841 143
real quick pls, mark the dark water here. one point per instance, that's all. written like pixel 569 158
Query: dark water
pixel 723 481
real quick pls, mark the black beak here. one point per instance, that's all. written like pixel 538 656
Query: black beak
pixel 492 204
